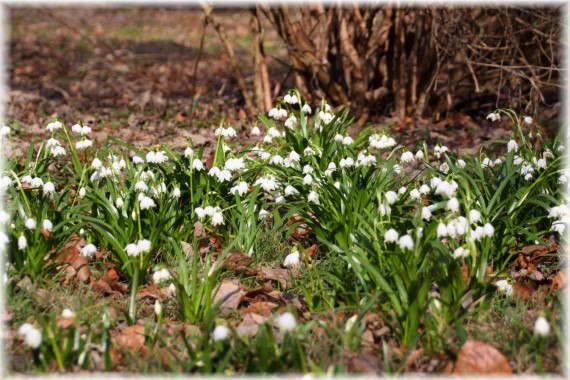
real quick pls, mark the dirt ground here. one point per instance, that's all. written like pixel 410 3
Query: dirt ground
pixel 133 73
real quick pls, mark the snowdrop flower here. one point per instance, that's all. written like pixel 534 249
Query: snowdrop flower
pixel 83 144
pixel 338 137
pixel 313 197
pixel 325 117
pixel 559 227
pixel 85 130
pixel 391 197
pixel 88 251
pixel 276 160
pixel 262 214
pixel 562 179
pixel 141 186
pixel 54 125
pixel 503 286
pixel 51 143
pixel 132 250
pixel 402 190
pixel 214 171
pixel 381 141
pixel 225 132
pixel 286 322
pixel 560 149
pixel 494 116
pixel 308 169
pixel 290 190
pixel 307 180
pixel 220 333
pixel 37 182
pixel 441 230
pixel 255 131
pixel 217 218
pixel 346 162
pixel 292 259
pixel 474 216
pixel 385 209
pixel 197 165
pixel 224 175
pixel 96 164
pixel 160 275
pixel 541 164
pixel 391 236
pixel 27 179
pixel 144 245
pixel 30 223
pixel 294 156
pixel 461 164
pixel 541 327
pixel 279 198
pixel 397 169
pixel 306 109
pixel 49 188
pixel 33 338
pixel 452 205
pixel 82 192
pixel 308 152
pixel 209 210
pixel 291 122
pixel 488 230
pixel 137 159
pixel 119 202
pixel 22 243
pixel 146 203
pixel 527 120
pixel 406 242
pixel 241 188
pixel 156 157
pixel 176 192
pixel 438 150
pixel 415 195
pixel 267 182
pixel 512 146
pixel 291 99
pixel 4 217
pixel 282 113
pixel 5 130
pixel 58 151
pixel 76 128
pixel 157 308
pixel 420 155
pixel 424 189
pixel 47 225
pixel 5 182
pixel 487 163
pixel 426 213
pixel 407 157
pixel 347 140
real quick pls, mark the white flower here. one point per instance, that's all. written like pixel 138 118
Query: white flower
pixel 527 120
pixel 241 188
pixel 214 171
pixel 486 163
pixel 209 210
pixel 313 197
pixel 407 157
pixel 160 275
pixel 47 225
pixel 541 164
pixel 217 218
pixel 391 197
pixel 291 99
pixel 54 125
pixel 292 259
pixel 83 144
pixel 541 327
pixel 89 250
pixel 137 159
pixel 291 122
pixel 397 169
pixel 33 338
pixel 461 164
pixel 22 242
pixel 474 216
pixel 267 182
pixel 276 160
pixel 52 143
pixel 326 117
pixel 197 165
pixel 4 217
pixel 119 202
pixel 307 180
pixel 415 194
pixel 132 249
pixel 76 128
pixel 290 190
pixel 308 152
pixel 96 164
pixel 560 149
pixel 156 157
pixel 346 162
pixel 141 186
pixel 146 203
pixel 221 332
pixel 426 213
pixel 143 245
pixel 286 322
pixel 306 109
pixel 488 230
pixel 406 242
pixel 441 230
pixel 559 227
pixel 5 130
pixel 494 116
pixel 503 286
pixel 420 155
pixel 338 137
pixel 85 130
pixel 452 205
pixel 438 150
pixel 157 307
pixel 512 146
pixel 402 190
pixel 262 214
pixel 58 151
pixel 391 236
pixel 255 131
pixel 224 175
pixel 385 209
pixel 347 140
pixel 30 223
pixel 49 188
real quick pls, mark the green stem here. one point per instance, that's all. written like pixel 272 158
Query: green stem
pixel 55 349
pixel 132 303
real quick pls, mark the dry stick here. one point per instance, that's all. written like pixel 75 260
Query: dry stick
pixel 229 49
pixel 261 77
pixel 194 78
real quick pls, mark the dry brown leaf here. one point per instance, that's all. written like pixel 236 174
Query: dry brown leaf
pixel 261 308
pixel 150 291
pixel 560 279
pixel 413 357
pixel 230 293
pixel 281 275
pixel 238 261
pixel 65 322
pixel 480 358
pixel 312 250
pixel 264 294
pixel 131 338
pixel 523 291
pixel 250 324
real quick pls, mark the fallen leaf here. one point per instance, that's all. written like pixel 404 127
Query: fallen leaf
pixel 480 358
pixel 560 279
pixel 238 261
pixel 250 324
pixel 413 357
pixel 523 291
pixel 312 250
pixel 65 322
pixel 264 294
pixel 131 338
pixel 229 293
pixel 261 308
pixel 284 276
pixel 152 292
